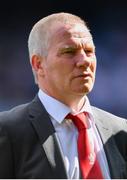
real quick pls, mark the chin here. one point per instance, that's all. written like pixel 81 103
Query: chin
pixel 85 90
pixel 82 92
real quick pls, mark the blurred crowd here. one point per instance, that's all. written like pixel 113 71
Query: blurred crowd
pixel 110 36
pixel 110 91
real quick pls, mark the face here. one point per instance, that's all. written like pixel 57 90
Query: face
pixel 69 68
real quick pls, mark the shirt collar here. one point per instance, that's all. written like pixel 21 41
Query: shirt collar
pixel 57 109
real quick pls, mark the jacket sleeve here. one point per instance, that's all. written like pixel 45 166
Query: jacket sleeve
pixel 6 163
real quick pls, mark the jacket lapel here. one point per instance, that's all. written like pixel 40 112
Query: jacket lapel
pixel 116 163
pixel 48 138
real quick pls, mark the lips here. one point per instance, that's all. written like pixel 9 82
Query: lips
pixel 84 75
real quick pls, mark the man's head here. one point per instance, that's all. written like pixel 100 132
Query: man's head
pixel 62 55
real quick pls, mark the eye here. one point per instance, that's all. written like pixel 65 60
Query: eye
pixel 69 50
pixel 89 52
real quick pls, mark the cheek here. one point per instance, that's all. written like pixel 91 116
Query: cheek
pixel 93 66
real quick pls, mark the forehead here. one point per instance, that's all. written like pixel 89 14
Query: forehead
pixel 68 34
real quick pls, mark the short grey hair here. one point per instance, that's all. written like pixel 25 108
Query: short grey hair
pixel 40 33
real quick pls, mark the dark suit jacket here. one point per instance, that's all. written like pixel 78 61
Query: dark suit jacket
pixel 29 147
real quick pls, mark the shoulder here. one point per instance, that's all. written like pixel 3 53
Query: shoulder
pixel 21 115
pixel 11 116
pixel 13 113
pixel 17 120
pixel 19 112
pixel 109 119
pixel 14 123
pixel 101 113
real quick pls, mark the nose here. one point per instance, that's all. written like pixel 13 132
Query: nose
pixel 83 60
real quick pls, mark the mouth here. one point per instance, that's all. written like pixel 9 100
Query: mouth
pixel 84 75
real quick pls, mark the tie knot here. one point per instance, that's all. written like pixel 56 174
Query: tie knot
pixel 79 120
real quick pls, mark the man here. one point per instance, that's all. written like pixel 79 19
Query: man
pixel 39 139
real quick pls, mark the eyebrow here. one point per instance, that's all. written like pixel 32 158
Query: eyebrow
pixel 76 46
pixel 67 48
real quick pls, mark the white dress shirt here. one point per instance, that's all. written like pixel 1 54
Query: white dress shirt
pixel 67 134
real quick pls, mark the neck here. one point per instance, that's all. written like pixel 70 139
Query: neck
pixel 75 102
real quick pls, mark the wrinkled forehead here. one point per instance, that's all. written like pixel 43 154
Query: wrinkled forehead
pixel 70 33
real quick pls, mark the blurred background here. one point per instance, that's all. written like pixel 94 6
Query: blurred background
pixel 108 23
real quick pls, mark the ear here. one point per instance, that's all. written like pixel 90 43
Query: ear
pixel 36 63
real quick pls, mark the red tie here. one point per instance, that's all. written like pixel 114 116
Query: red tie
pixel 90 168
